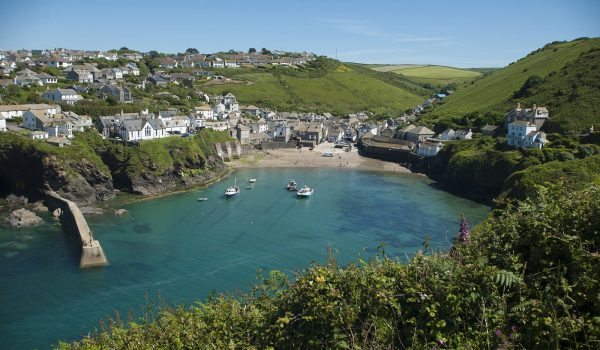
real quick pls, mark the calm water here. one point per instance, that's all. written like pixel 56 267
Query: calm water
pixel 180 250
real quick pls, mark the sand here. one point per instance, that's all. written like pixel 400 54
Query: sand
pixel 304 158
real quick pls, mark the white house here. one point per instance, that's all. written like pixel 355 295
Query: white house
pixel 196 121
pixel 56 62
pixel 12 111
pixel 463 135
pixel 64 95
pixel 517 133
pixel 38 135
pixel 429 149
pixel 204 112
pixel 47 78
pixel 231 64
pixel 142 129
pixel 176 124
pixel 2 123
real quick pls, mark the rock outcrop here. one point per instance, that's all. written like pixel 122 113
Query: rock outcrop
pixel 22 218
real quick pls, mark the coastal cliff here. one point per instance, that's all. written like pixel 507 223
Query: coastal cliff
pixel 92 168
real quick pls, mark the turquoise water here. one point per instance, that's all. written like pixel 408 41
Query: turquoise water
pixel 179 249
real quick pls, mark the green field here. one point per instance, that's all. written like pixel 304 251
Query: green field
pixel 337 88
pixel 431 76
pixel 493 92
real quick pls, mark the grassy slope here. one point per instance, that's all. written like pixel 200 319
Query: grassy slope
pixel 492 92
pixel 337 88
pixel 429 74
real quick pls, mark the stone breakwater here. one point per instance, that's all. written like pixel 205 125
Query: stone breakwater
pixel 73 222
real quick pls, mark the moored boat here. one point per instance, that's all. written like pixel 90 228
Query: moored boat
pixel 233 190
pixel 292 186
pixel 305 192
pixel 252 180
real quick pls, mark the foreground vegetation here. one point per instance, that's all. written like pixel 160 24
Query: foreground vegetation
pixel 527 277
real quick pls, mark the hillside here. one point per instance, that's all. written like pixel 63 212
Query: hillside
pixel 430 75
pixel 324 85
pixel 494 92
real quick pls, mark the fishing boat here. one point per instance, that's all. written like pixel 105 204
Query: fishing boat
pixel 292 186
pixel 233 190
pixel 305 192
pixel 252 180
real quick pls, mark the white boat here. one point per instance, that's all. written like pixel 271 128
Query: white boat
pixel 233 190
pixel 305 192
pixel 202 199
pixel 292 186
pixel 253 180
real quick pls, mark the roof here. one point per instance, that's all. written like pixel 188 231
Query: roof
pixel 133 124
pixel 41 106
pixel 490 128
pixel 421 130
pixel 41 115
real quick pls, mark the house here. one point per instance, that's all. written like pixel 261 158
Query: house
pixel 176 124
pixel 536 116
pixel 387 132
pixel 37 119
pixel 12 111
pixel 38 135
pixel 448 134
pixel 121 94
pixel 27 77
pixel 2 124
pixel 47 78
pixel 367 129
pixel 258 138
pixel 167 62
pixel 205 112
pixel 418 134
pixel 158 80
pixel 429 149
pixel 312 132
pixel 523 134
pixel 231 64
pixel 80 122
pixel 196 121
pixel 63 95
pixel 55 61
pixel 335 134
pixel 489 130
pixel 80 73
pixel 112 73
pixel 252 110
pixel 58 141
pixel 142 129
pixel 463 135
pixel 218 126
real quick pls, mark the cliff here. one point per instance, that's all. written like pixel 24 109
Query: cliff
pixel 92 168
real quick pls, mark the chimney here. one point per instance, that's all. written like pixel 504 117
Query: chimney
pixel 121 111
pixel 534 106
pixel 518 105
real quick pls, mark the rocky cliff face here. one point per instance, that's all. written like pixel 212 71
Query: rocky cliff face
pixel 28 172
pixel 195 172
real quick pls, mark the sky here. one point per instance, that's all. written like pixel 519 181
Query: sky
pixel 459 33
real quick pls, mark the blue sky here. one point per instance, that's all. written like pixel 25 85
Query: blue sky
pixel 453 32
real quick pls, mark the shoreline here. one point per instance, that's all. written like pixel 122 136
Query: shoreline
pixel 304 158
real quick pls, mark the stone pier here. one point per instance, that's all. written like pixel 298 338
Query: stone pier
pixel 74 223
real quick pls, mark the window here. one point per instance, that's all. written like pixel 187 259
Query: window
pixel 148 130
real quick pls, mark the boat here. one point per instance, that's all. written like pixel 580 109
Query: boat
pixel 232 191
pixel 305 192
pixel 248 187
pixel 252 180
pixel 292 186
pixel 202 199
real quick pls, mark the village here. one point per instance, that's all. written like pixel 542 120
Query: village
pixel 263 128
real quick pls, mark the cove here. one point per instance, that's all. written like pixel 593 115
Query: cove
pixel 178 249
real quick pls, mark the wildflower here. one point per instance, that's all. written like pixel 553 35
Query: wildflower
pixel 441 343
pixel 463 232
pixel 498 332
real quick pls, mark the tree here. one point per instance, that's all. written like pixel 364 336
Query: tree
pixel 264 51
pixel 153 54
pixel 192 51
pixel 251 50
pixel 111 100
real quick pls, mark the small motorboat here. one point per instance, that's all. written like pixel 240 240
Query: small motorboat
pixel 252 180
pixel 292 186
pixel 233 190
pixel 202 199
pixel 305 192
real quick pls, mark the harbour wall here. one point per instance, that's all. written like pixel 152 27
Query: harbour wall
pixel 271 145
pixel 230 150
pixel 73 222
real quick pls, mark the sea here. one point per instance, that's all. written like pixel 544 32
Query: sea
pixel 176 249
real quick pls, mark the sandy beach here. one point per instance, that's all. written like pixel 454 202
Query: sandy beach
pixel 304 158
